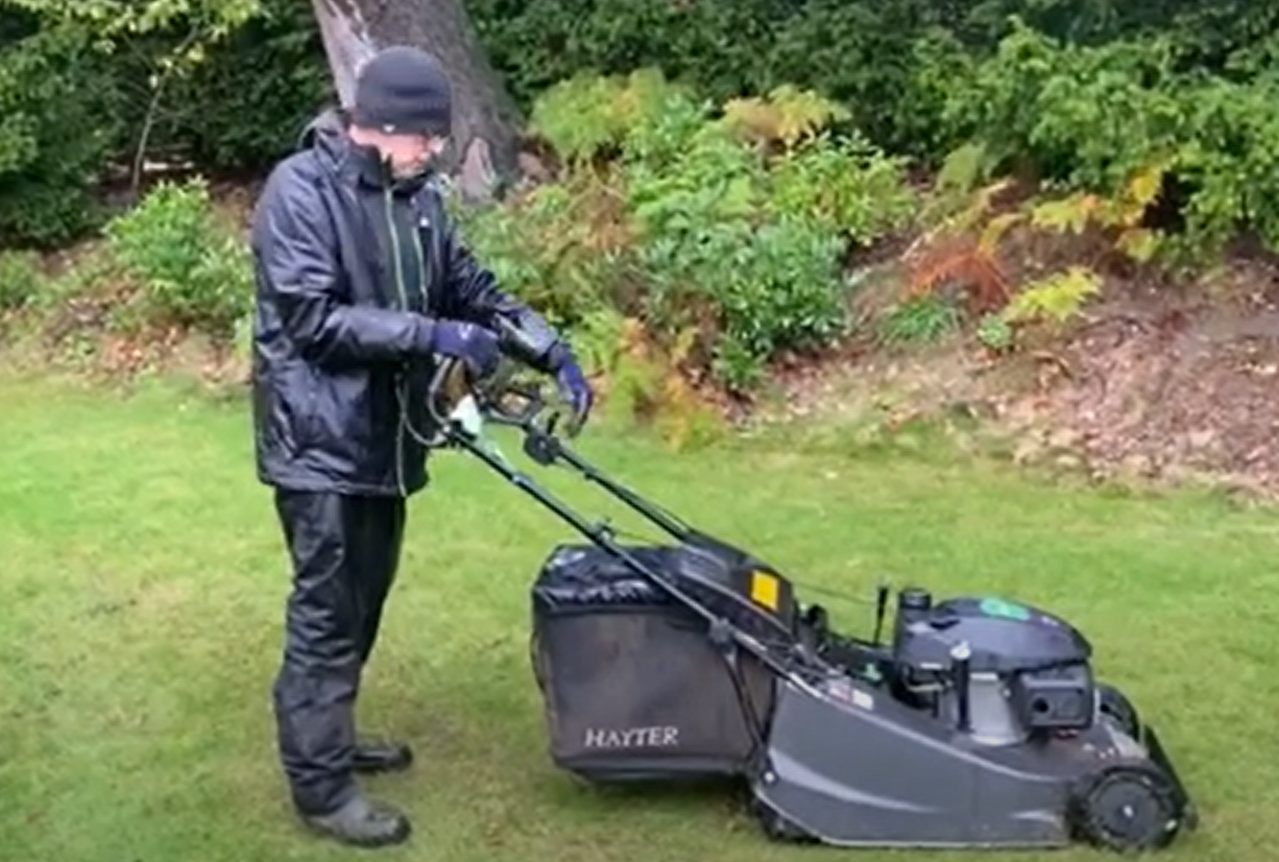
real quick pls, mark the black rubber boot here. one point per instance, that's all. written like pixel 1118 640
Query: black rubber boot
pixel 374 756
pixel 362 822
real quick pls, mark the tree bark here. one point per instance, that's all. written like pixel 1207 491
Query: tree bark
pixel 486 122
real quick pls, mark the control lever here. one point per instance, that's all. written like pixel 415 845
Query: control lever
pixel 529 339
pixel 511 403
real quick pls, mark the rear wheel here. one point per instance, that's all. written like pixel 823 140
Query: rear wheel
pixel 1126 808
pixel 777 826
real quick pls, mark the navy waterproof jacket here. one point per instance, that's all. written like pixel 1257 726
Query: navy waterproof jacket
pixel 350 271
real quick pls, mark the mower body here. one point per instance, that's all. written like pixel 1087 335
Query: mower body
pixel 978 724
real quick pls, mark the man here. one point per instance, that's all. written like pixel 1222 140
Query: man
pixel 361 283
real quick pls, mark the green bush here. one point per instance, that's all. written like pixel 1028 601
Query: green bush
pixel 915 77
pixel 193 270
pixel 881 60
pixel 722 228
pixel 560 246
pixel 843 184
pixel 778 290
pixel 891 63
pixel 1084 94
pixel 1091 118
pixel 74 104
pixel 246 103
pixel 59 126
pixel 21 279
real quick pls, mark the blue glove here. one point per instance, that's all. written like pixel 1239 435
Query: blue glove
pixel 572 384
pixel 469 342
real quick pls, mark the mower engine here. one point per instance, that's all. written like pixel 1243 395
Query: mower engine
pixel 981 724
pixel 997 671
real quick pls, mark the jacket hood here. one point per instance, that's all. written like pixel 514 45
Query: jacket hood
pixel 326 128
pixel 325 136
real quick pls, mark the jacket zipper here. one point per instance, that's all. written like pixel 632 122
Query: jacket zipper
pixel 423 259
pixel 404 306
pixel 421 268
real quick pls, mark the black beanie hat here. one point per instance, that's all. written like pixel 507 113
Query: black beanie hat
pixel 403 90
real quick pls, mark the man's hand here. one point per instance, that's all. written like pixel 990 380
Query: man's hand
pixel 573 385
pixel 469 342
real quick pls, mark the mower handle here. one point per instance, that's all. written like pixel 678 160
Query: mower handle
pixel 500 398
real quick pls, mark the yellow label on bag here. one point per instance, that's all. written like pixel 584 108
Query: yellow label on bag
pixel 764 589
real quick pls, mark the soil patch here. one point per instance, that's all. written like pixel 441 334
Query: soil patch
pixel 1153 385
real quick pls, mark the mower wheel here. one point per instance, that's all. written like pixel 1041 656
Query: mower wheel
pixel 777 826
pixel 1127 808
pixel 1116 705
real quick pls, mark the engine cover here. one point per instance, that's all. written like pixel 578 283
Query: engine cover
pixel 1002 637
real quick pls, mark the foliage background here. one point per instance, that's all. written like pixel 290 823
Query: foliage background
pixel 787 138
pixel 1080 91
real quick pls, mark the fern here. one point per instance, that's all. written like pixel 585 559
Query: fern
pixel 1071 214
pixel 996 228
pixel 963 168
pixel 578 116
pixel 1118 218
pixel 638 379
pixel 1141 191
pixel 1058 297
pixel 586 114
pixel 965 265
pixel 983 203
pixel 1140 244
pixel 788 115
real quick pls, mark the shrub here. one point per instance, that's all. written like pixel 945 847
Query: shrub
pixel 1089 118
pixel 722 228
pixel 244 105
pixel 192 269
pixel 562 247
pixel 845 185
pixel 20 279
pixel 912 75
pixel 780 291
pixel 59 126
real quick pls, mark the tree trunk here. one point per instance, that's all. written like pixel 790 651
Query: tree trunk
pixel 486 122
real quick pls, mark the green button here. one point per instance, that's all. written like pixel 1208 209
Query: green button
pixel 1001 608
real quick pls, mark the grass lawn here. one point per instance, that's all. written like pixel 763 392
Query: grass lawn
pixel 143 581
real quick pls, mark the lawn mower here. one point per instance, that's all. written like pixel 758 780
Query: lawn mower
pixel 976 722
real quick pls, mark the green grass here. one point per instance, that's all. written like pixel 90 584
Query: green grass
pixel 143 584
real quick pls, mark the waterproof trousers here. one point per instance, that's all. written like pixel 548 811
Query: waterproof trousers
pixel 345 552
